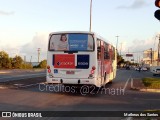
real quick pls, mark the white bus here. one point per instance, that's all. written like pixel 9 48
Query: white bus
pixel 78 57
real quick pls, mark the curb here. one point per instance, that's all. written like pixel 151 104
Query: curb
pixel 19 86
pixel 143 89
pixel 1 87
pixel 4 72
pixel 150 90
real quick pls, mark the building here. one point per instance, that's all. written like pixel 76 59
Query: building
pixel 33 63
pixel 150 58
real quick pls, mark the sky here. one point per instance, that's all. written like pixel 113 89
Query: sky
pixel 26 24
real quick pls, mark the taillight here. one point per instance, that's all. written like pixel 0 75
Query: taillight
pixel 91 75
pixel 92 71
pixel 49 70
pixel 48 67
pixel 93 67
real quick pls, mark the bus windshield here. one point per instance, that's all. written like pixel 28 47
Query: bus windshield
pixel 71 42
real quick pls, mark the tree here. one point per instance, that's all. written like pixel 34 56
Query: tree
pixel 17 62
pixel 5 61
pixel 120 59
pixel 26 66
pixel 43 64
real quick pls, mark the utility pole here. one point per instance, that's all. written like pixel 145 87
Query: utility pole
pixel 117 43
pixel 151 56
pixel 90 27
pixel 24 62
pixel 31 60
pixel 159 51
pixel 137 57
pixel 38 53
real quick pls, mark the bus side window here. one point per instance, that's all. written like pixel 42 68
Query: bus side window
pixel 98 49
pixel 106 52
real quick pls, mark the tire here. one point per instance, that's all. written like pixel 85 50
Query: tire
pixel 98 88
pixel 105 77
pixel 154 74
pixel 110 82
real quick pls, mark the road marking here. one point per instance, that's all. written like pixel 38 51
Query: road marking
pixel 136 78
pixel 29 85
pixel 4 72
pixel 126 83
pixel 3 87
pixel 131 82
pixel 23 75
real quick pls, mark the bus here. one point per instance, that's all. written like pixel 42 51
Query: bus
pixel 80 58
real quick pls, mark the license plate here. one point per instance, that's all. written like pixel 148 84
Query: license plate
pixel 69 72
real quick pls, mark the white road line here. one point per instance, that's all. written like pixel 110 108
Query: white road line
pixel 4 72
pixel 23 86
pixel 1 87
pixel 126 83
pixel 131 82
pixel 23 75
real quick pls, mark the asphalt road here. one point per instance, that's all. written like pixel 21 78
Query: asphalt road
pixel 10 75
pixel 114 97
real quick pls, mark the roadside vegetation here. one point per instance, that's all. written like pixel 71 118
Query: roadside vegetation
pixel 121 62
pixel 152 83
pixel 17 62
pixel 42 64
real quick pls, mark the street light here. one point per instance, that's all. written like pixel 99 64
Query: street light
pixel 117 43
pixel 90 15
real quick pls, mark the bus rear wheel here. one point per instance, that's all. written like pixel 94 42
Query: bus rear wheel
pixel 110 82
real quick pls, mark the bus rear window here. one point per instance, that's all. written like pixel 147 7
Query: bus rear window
pixel 71 42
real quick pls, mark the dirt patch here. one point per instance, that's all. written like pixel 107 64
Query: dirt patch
pixel 137 83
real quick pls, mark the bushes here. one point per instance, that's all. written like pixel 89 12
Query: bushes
pixel 152 82
pixel 26 66
pixel 42 64
pixel 5 61
pixel 17 62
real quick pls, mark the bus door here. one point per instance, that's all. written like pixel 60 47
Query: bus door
pixel 102 60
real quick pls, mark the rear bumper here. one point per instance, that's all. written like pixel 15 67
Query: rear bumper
pixel 72 81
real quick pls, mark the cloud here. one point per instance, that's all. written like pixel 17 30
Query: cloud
pixel 141 45
pixel 10 49
pixel 30 49
pixel 6 13
pixel 138 46
pixel 135 5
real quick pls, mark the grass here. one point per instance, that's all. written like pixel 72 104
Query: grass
pixel 152 83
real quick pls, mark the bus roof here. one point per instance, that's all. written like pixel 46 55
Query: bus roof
pixel 61 32
pixel 98 36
